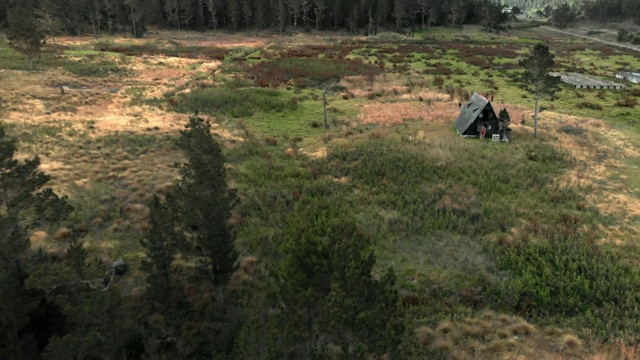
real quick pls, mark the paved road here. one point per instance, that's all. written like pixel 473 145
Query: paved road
pixel 630 47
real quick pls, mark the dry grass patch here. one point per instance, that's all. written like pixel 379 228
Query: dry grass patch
pixel 425 335
pixel 618 351
pixel 571 343
pixel 490 335
pixel 398 112
pixel 38 239
pixel 382 85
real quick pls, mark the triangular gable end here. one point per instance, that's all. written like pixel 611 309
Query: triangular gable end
pixel 470 112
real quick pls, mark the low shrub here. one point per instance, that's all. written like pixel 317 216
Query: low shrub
pixel 627 102
pixel 571 278
pixel 573 130
pixel 271 141
pixel 438 81
pixel 624 35
pixel 589 105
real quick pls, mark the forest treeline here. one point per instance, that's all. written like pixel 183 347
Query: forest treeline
pixel 79 17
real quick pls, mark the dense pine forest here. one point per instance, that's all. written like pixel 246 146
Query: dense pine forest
pixel 80 17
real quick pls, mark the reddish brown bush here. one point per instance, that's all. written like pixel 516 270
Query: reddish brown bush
pixel 271 141
pixel 438 81
pixel 627 102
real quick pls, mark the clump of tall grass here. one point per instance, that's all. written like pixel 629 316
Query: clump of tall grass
pixel 236 103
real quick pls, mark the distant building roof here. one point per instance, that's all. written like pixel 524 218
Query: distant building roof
pixel 584 81
pixel 630 76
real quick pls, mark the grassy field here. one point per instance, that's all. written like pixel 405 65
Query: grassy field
pixel 502 250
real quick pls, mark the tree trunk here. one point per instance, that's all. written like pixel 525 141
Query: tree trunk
pixel 30 62
pixel 324 108
pixel 220 295
pixel 309 334
pixel 55 45
pixel 53 35
pixel 535 117
pixel 133 21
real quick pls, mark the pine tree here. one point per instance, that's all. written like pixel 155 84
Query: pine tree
pixel 457 12
pixel 172 11
pixel 320 6
pixel 505 121
pixel 400 12
pixel 247 14
pixel 136 12
pixel 24 33
pixel 72 15
pixel 562 15
pixel 362 313
pixel 423 10
pixel 23 202
pixel 212 6
pixel 262 14
pixel 49 20
pixel 305 280
pixel 161 244
pixel 3 12
pixel 536 79
pixel 281 15
pixel 325 290
pixel 110 8
pixel 382 12
pixel 205 202
pixel 186 13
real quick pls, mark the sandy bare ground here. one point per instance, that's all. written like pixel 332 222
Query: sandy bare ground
pixel 396 113
pixel 104 101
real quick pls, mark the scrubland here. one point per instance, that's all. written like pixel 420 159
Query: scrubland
pixel 522 250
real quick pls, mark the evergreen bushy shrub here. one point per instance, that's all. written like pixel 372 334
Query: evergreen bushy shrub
pixel 571 278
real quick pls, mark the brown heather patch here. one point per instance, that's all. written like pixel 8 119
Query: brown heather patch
pixel 97 222
pixel 62 234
